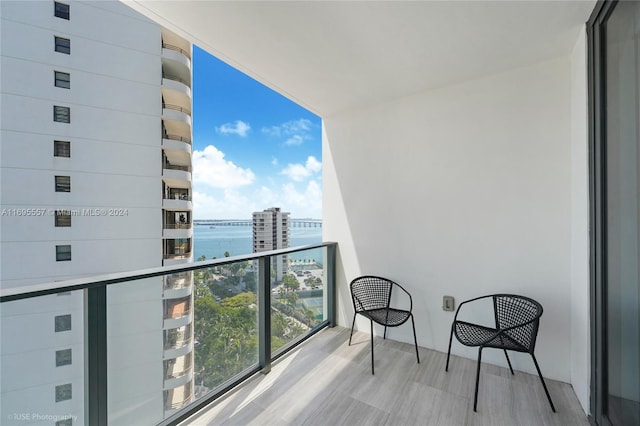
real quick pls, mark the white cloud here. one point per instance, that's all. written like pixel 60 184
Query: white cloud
pixel 274 161
pixel 239 128
pixel 295 131
pixel 299 172
pixel 211 169
pixel 240 203
pixel 305 203
pixel 230 204
pixel 294 140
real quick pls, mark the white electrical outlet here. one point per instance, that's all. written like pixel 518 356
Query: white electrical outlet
pixel 448 303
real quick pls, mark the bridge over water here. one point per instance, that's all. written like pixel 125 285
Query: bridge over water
pixel 295 223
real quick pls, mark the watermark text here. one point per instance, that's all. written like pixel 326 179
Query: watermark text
pixel 84 212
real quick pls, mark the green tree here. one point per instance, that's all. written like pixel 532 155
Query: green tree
pixel 227 337
pixel 290 282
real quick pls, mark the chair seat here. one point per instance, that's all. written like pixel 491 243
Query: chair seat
pixel 387 316
pixel 477 335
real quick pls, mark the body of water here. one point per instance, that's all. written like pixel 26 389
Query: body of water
pixel 237 240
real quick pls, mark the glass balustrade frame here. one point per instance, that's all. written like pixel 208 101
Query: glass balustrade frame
pixel 95 296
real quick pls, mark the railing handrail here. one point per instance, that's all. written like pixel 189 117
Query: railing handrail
pixel 177 138
pixel 177 167
pixel 177 225
pixel 42 289
pixel 177 108
pixel 180 197
pixel 176 48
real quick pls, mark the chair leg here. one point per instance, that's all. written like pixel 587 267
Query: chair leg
pixel 544 385
pixel 446 368
pixel 415 340
pixel 372 347
pixel 508 361
pixel 352 325
pixel 475 398
pixel 384 336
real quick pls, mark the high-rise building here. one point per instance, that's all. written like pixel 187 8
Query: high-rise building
pixel 96 178
pixel 271 232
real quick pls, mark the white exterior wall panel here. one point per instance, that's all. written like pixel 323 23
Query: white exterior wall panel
pixel 469 210
pixel 115 163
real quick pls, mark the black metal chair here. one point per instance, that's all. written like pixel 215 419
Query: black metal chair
pixel 516 328
pixel 371 297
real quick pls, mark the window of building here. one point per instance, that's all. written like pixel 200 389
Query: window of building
pixel 62 79
pixel 63 357
pixel 63 183
pixel 61 114
pixel 63 45
pixel 63 218
pixel 62 323
pixel 61 149
pixel 61 10
pixel 66 422
pixel 63 392
pixel 63 253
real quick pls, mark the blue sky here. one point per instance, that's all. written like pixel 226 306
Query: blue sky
pixel 252 147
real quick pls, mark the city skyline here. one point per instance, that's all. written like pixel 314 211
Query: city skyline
pixel 252 147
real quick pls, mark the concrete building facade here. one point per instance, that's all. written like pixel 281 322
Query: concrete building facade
pixel 96 178
pixel 271 232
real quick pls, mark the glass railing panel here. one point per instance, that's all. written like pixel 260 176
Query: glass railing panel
pixel 42 360
pixel 136 329
pixel 225 324
pixel 297 296
pixel 163 338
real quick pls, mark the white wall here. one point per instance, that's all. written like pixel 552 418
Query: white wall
pixel 580 340
pixel 460 191
pixel 115 164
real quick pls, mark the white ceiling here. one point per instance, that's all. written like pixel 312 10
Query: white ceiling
pixel 331 56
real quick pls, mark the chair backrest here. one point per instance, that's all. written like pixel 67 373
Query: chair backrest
pixel 371 292
pixel 512 310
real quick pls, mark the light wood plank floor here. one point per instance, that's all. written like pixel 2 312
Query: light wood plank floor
pixel 327 382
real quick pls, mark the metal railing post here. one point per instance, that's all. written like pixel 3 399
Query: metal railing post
pixel 264 313
pixel 331 285
pixel 95 326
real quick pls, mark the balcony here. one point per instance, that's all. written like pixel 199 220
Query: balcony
pixel 176 54
pixel 177 285
pixel 250 296
pixel 176 143
pixel 176 83
pixel 176 202
pixel 177 230
pixel 177 113
pixel 177 338
pixel 172 173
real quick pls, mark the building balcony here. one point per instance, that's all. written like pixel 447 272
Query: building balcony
pixel 316 367
pixel 186 318
pixel 176 143
pixel 177 230
pixel 178 397
pixel 176 293
pixel 176 84
pixel 173 174
pixel 177 113
pixel 176 54
pixel 172 353
pixel 177 259
pixel 180 379
pixel 175 204
pixel 178 281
